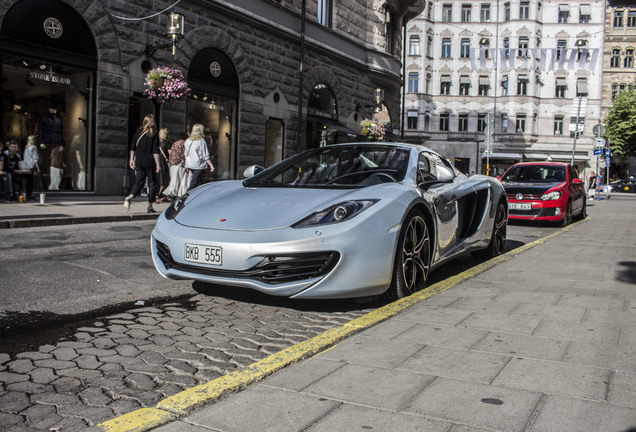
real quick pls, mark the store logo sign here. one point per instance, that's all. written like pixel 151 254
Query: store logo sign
pixel 215 69
pixel 53 28
pixel 50 77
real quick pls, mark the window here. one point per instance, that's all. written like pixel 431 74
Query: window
pixel 414 45
pixel 389 30
pixel 481 122
pixel 631 18
pixel 446 48
pixel 617 88
pixel 445 85
pixel 506 47
pixel 581 87
pixel 464 85
pixel 585 13
pixel 629 58
pixel 561 87
pixel 520 125
pixel 443 122
pixel 561 48
pixel 522 85
pixel 447 12
pixel 504 123
pixel 428 84
pixel 466 12
pixel 524 10
pixel 558 125
pixel 463 123
pixel 411 120
pixel 506 11
pixel 484 46
pixel 324 12
pixel 523 46
pixel 414 82
pixel 615 61
pixel 465 48
pixel 429 46
pixel 484 85
pixel 564 13
pixel 430 10
pixel 618 18
pixel 504 85
pixel 485 12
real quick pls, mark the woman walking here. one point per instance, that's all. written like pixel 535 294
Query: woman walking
pixel 178 176
pixel 163 179
pixel 197 156
pixel 144 159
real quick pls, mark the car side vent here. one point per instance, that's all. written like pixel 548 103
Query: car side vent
pixel 163 252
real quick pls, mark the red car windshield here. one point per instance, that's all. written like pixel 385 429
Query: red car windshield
pixel 535 174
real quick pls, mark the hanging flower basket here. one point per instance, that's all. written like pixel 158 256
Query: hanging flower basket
pixel 374 131
pixel 164 84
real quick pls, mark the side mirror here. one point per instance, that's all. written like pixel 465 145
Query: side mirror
pixel 444 174
pixel 577 181
pixel 252 170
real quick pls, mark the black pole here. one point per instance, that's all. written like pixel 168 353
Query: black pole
pixel 404 47
pixel 300 76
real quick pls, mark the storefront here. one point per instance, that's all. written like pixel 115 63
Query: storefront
pixel 214 104
pixel 49 59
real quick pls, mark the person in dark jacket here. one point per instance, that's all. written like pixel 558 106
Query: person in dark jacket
pixel 144 159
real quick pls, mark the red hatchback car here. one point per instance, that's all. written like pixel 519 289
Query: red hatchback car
pixel 547 191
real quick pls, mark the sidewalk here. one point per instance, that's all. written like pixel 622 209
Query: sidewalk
pixel 540 339
pixel 66 210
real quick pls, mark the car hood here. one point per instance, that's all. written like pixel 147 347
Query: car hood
pixel 513 188
pixel 228 205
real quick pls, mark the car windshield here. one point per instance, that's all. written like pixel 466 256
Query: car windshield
pixel 339 166
pixel 535 174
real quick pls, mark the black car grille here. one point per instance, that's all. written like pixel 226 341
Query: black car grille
pixel 525 197
pixel 274 269
pixel 536 212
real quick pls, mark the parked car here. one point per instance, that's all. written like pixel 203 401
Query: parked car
pixel 548 191
pixel 349 220
pixel 625 185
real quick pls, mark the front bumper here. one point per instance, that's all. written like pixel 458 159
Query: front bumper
pixel 552 211
pixel 350 259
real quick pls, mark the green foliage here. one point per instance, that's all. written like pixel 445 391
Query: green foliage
pixel 621 124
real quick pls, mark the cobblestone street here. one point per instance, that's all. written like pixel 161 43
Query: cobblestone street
pixel 134 359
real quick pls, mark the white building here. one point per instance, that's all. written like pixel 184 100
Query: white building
pixel 535 66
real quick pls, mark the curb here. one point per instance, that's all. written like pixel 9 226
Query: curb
pixel 173 407
pixel 44 222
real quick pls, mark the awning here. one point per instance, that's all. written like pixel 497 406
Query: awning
pixel 464 80
pixel 561 81
pixel 586 9
pixel 564 8
pixel 581 86
pixel 483 80
pixel 523 78
pixel 411 114
pixel 503 156
pixel 562 157
pixel 535 156
pixel 446 78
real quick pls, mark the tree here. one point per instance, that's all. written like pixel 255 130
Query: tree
pixel 621 124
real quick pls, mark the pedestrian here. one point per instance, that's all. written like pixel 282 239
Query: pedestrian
pixel 197 156
pixel 144 160
pixel 18 174
pixel 178 176
pixel 5 181
pixel 57 167
pixel 591 185
pixel 31 158
pixel 163 177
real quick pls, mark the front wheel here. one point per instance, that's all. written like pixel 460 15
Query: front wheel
pixel 567 217
pixel 413 257
pixel 497 243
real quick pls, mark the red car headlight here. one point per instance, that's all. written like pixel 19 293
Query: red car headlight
pixel 549 196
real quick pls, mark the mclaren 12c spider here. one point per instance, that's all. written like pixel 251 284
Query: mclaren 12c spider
pixel 340 221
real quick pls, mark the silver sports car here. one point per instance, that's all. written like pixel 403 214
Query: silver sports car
pixel 348 220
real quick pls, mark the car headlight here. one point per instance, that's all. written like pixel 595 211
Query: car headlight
pixel 177 205
pixel 554 195
pixel 337 213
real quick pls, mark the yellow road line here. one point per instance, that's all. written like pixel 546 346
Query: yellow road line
pixel 180 404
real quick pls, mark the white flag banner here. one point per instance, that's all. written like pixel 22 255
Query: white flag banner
pixel 548 59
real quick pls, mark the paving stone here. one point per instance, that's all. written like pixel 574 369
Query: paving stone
pixel 96 351
pixel 8 419
pixel 43 375
pixel 41 416
pixel 184 381
pixel 88 362
pixel 124 405
pixel 113 370
pixel 4 358
pixel 120 360
pixel 81 374
pixel 34 355
pixel 94 397
pixel 67 384
pixel 95 414
pixel 138 334
pixel 47 348
pixel 64 353
pixel 21 366
pixel 127 350
pixel 69 424
pixel 29 387
pixel 54 364
pixel 73 344
pixel 153 358
pixel 180 367
pixel 140 381
pixel 162 340
pixel 9 377
pixel 14 402
pixel 145 398
pixel 103 342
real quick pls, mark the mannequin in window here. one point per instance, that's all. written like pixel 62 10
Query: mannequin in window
pixel 77 156
pixel 57 167
pixel 50 128
pixel 31 160
pixel 15 124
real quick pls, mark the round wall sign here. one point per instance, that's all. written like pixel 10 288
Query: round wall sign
pixel 53 28
pixel 215 69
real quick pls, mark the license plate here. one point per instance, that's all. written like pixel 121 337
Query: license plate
pixel 520 206
pixel 201 254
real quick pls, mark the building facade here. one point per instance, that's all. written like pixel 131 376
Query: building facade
pixel 534 67
pixel 269 78
pixel 619 69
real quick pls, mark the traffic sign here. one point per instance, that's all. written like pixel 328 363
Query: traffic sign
pixel 599 142
pixel 598 130
pixel 607 153
pixel 598 151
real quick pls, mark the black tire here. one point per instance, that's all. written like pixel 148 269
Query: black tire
pixel 567 218
pixel 497 243
pixel 412 258
pixel 583 213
